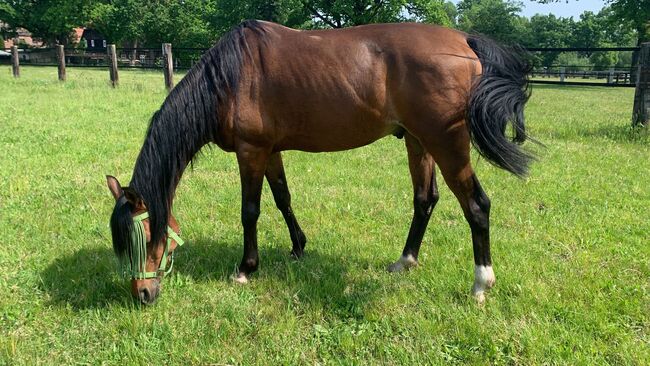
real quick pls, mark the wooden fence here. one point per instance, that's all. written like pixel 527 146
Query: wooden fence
pixel 637 76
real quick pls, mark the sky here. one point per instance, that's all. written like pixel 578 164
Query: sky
pixel 563 8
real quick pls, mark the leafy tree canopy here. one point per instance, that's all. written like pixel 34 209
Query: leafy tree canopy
pixel 632 13
pixel 199 23
pixel 52 20
pixel 497 18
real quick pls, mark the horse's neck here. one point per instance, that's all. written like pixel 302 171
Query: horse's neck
pixel 165 154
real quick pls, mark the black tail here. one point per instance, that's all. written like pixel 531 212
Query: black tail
pixel 498 98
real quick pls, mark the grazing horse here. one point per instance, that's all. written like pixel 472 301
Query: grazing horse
pixel 264 88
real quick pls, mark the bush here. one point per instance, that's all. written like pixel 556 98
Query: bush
pixel 624 59
pixel 573 62
pixel 604 60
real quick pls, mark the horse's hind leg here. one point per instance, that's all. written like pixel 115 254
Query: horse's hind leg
pixel 252 165
pixel 451 152
pixel 476 207
pixel 425 197
pixel 278 182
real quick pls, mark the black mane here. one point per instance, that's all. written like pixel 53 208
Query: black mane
pixel 186 121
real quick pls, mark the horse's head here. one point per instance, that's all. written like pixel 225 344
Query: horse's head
pixel 144 262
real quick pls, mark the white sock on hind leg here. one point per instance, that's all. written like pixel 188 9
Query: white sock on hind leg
pixel 483 280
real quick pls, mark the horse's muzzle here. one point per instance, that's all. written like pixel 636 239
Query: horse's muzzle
pixel 148 293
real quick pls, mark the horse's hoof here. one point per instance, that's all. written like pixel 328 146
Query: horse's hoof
pixel 479 297
pixel 240 278
pixel 483 280
pixel 403 263
pixel 296 255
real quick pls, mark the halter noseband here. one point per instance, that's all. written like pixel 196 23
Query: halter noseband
pixel 135 265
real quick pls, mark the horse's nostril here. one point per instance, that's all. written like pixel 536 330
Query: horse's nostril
pixel 145 296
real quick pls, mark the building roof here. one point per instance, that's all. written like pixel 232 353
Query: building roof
pixel 78 32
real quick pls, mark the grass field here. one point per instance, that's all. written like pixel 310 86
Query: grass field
pixel 570 245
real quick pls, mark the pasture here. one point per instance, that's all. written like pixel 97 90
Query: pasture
pixel 570 244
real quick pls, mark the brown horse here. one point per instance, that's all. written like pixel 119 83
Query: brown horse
pixel 264 88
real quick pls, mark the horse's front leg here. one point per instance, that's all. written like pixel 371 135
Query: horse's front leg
pixel 425 197
pixel 278 183
pixel 252 165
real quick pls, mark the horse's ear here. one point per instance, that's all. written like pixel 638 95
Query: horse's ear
pixel 114 186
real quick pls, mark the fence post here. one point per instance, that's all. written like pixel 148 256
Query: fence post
pixel 15 64
pixel 112 66
pixel 168 65
pixel 610 76
pixel 60 55
pixel 562 74
pixel 641 112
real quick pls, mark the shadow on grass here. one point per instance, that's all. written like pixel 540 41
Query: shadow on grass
pixel 318 280
pixel 88 279
pixel 622 133
pixel 615 133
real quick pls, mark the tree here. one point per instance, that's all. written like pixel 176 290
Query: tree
pixel 589 31
pixel 496 18
pixel 135 23
pixel 452 12
pixel 427 11
pixel 228 13
pixel 344 13
pixel 549 31
pixel 53 20
pixel 633 13
pixel 180 22
pixel 120 21
pixel 617 32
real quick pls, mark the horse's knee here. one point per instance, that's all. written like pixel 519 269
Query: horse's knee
pixel 478 213
pixel 435 196
pixel 283 202
pixel 424 202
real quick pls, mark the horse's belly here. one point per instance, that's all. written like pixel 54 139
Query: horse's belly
pixel 321 141
pixel 334 134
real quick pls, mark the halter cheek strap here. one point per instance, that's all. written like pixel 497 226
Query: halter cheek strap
pixel 138 256
pixel 121 200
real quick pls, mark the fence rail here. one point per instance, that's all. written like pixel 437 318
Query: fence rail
pixel 586 77
pixel 137 58
pixel 185 58
pixel 619 75
pixel 637 75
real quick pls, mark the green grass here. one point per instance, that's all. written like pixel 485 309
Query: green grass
pixel 570 245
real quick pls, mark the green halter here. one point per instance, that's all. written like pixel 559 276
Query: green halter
pixel 135 265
